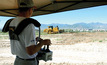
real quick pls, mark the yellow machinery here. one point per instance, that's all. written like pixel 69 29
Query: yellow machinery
pixel 52 30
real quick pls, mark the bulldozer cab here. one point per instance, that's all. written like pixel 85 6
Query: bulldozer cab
pixel 50 27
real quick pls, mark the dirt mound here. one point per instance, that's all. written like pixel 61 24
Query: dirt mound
pixel 74 38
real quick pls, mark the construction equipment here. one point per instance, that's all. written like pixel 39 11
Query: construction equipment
pixel 52 30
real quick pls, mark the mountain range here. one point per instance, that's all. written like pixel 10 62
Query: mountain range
pixel 96 25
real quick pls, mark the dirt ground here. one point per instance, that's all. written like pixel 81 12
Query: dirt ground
pixel 82 48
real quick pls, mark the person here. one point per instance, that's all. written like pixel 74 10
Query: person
pixel 25 47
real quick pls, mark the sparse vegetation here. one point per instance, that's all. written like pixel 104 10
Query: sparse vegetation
pixel 42 33
pixel 100 41
pixel 1 33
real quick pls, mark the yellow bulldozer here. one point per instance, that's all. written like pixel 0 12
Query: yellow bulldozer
pixel 53 30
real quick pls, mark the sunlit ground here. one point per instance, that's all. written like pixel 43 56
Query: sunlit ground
pixel 82 48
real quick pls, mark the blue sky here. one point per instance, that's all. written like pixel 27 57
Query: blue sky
pixel 87 15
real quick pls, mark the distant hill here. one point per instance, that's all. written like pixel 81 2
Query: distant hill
pixel 96 25
pixel 90 26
